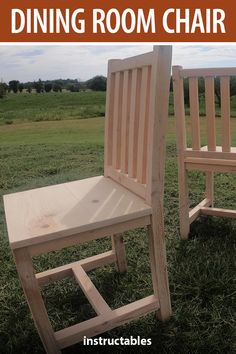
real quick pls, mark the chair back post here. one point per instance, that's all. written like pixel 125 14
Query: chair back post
pixel 162 57
pixel 109 113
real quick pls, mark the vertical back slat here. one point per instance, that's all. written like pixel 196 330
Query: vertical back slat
pixel 115 120
pixel 146 127
pixel 137 121
pixel 194 113
pixel 125 120
pixel 119 127
pixel 210 112
pixel 116 136
pixel 141 161
pixel 225 113
pixel 132 123
pixel 179 109
pixel 133 126
pixel 109 120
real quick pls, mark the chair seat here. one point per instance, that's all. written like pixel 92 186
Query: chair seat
pixel 44 214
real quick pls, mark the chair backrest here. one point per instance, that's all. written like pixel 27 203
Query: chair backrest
pixel 136 118
pixel 210 77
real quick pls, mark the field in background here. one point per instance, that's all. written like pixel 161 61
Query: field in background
pixel 33 107
pixel 201 270
pixel 23 107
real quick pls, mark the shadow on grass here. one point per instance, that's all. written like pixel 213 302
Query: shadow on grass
pixel 202 281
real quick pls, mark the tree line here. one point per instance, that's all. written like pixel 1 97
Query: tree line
pixel 97 83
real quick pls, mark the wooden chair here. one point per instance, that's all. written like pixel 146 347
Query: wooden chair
pixel 208 158
pixel 128 196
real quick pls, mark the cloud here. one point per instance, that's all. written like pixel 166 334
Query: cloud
pixel 204 56
pixel 60 61
pixel 31 62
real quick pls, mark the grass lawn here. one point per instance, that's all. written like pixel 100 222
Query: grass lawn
pixel 51 106
pixel 201 270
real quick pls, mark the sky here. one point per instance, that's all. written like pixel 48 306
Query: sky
pixel 47 62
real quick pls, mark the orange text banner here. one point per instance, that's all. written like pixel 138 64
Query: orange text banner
pixel 117 21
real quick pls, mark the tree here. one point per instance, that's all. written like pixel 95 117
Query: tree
pixel 39 86
pixel 82 86
pixel 14 85
pixel 48 87
pixel 3 89
pixel 21 87
pixel 57 87
pixel 218 89
pixel 171 84
pixel 28 87
pixel 73 87
pixel 186 92
pixel 97 83
pixel 233 86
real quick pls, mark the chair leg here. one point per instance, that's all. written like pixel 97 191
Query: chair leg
pixel 210 187
pixel 118 247
pixel 157 252
pixel 35 301
pixel 183 204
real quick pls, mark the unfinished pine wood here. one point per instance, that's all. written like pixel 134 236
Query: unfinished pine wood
pixel 208 161
pixel 158 112
pixel 109 118
pixel 116 136
pixel 210 112
pixel 128 196
pixel 118 247
pixel 53 212
pixel 194 112
pixel 143 122
pixel 64 271
pixel 145 160
pixel 152 259
pixel 112 319
pixel 210 158
pixel 225 213
pixel 32 292
pixel 225 112
pixel 139 92
pixel 210 168
pixel 181 147
pixel 90 291
pixel 125 120
pixel 158 264
pixel 196 211
pixel 87 236
pixel 134 123
pixel 155 176
pixel 130 183
pixel 210 187
pixel 208 72
pixel 131 63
